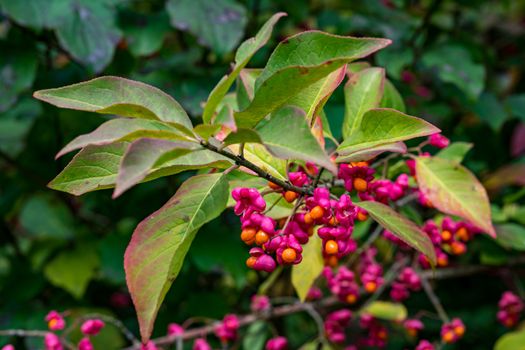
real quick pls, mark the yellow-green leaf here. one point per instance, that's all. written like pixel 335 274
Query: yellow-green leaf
pixel 305 273
pixel 511 341
pixel 259 155
pixel 386 310
pixel 454 190
pixel 384 125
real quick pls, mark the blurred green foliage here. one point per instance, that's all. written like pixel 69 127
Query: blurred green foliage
pixel 458 64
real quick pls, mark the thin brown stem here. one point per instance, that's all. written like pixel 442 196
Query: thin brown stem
pixel 276 312
pixel 273 205
pixel 33 333
pixel 468 270
pixel 117 323
pixel 241 161
pixel 434 300
pixel 371 239
pixel 317 178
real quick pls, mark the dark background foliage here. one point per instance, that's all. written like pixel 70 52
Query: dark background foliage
pixel 458 64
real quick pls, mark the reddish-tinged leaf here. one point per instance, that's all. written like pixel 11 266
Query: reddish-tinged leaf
pixel 317 131
pixel 454 190
pixel 160 242
pixel 93 168
pixel 401 227
pixel 299 62
pixel 114 95
pixel 123 129
pixel 508 175
pixel 367 154
pixel 384 125
pixel 312 99
pixel 141 157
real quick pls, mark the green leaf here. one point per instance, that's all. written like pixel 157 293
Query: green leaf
pixel 225 118
pixel 455 152
pixel 160 242
pixel 511 236
pixel 383 125
pixel 123 129
pixel 250 46
pixel 72 270
pixel 111 249
pixel 515 212
pixel 255 336
pixel 145 34
pixel 355 67
pixel 93 168
pixel 490 111
pixel 511 341
pixel 89 33
pixel 297 63
pixel 205 131
pixel 173 163
pixel 242 136
pixel 363 91
pixel 96 167
pixel 317 345
pixel 15 124
pixel 245 87
pixel 114 95
pixel 259 155
pixel 244 53
pixel 401 227
pixel 280 210
pixel 218 24
pixel 367 154
pixel 295 141
pixel 386 310
pixel 395 59
pixel 516 105
pixel 36 14
pixel 43 216
pixel 312 99
pixel 17 73
pixel 452 189
pixel 392 98
pixel 454 64
pixel 305 274
pixel 141 156
pixel 327 130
